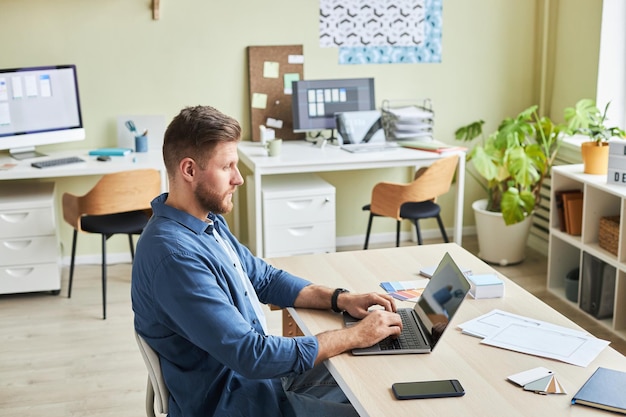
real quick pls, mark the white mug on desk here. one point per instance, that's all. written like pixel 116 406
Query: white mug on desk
pixel 273 147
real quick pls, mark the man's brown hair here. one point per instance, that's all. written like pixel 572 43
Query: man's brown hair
pixel 194 132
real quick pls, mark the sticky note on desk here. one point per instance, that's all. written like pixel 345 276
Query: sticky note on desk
pixel 486 286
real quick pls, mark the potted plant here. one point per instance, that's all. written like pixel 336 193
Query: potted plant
pixel 511 165
pixel 586 119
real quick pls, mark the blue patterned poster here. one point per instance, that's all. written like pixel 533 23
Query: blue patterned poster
pixel 382 32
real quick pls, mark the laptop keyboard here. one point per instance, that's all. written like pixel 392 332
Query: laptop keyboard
pixel 406 340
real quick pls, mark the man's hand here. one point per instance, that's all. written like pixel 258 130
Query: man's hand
pixel 374 327
pixel 317 296
pixel 357 305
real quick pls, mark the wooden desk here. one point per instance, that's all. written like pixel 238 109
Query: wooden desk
pixel 302 156
pixel 481 369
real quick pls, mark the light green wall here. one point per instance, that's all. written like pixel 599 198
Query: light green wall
pixel 195 54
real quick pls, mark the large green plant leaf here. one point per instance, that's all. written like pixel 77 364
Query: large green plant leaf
pixel 522 167
pixel 516 205
pixel 582 115
pixel 484 163
pixel 470 132
pixel 514 160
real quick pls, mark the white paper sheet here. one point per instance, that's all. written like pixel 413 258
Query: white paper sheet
pixel 549 343
pixel 496 320
pixel 535 337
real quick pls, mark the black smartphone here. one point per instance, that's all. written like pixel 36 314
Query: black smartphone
pixel 427 389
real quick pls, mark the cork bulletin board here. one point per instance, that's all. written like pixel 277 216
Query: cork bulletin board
pixel 271 70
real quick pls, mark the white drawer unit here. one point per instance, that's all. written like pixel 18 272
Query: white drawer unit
pixel 298 215
pixel 29 253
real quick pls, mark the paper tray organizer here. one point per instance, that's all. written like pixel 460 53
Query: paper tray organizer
pixel 408 119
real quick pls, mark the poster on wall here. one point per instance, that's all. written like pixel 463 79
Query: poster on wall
pixel 379 32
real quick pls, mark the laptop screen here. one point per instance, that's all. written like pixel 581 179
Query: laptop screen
pixel 441 298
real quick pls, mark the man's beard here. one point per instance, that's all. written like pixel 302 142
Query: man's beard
pixel 213 202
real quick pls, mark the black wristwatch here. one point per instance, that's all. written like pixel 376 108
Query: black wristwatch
pixel 333 299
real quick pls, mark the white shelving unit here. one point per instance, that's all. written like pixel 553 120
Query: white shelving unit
pixel 29 248
pixel 565 252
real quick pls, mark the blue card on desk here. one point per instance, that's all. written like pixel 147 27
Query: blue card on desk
pixel 110 152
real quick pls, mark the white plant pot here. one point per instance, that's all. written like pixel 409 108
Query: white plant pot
pixel 498 243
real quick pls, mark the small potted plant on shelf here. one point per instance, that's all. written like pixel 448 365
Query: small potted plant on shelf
pixel 586 119
pixel 511 165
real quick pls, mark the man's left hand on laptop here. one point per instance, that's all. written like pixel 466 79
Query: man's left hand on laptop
pixel 359 305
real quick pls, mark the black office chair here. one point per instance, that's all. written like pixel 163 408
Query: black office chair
pixel 118 204
pixel 414 201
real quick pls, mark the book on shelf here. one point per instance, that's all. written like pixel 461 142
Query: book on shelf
pixel 431 146
pixel 604 390
pixel 569 210
pixel 573 206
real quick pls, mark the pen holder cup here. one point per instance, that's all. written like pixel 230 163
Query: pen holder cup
pixel 141 143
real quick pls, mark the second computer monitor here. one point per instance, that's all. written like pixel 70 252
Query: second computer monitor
pixel 315 102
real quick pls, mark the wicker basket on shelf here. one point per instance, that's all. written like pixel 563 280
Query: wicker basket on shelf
pixel 608 237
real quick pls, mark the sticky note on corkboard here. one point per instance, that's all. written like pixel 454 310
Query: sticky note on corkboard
pixel 271 69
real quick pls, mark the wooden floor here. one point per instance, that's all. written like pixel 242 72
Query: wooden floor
pixel 58 358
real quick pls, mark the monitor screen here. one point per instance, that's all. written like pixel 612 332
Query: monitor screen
pixel 315 102
pixel 38 106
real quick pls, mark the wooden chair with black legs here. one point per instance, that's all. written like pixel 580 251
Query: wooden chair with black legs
pixel 413 201
pixel 118 204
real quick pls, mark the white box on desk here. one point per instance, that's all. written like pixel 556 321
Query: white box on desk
pixel 617 147
pixel 616 173
pixel 617 162
pixel 486 286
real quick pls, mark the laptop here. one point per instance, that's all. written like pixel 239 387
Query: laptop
pixel 423 325
pixel 361 131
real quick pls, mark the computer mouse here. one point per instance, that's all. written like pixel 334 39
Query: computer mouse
pixel 104 158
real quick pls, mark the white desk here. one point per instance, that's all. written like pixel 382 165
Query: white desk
pixel 39 277
pixel 301 156
pixel 91 166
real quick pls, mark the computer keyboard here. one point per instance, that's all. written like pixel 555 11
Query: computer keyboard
pixel 57 162
pixel 358 148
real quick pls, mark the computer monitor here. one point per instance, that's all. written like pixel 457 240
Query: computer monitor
pixel 38 106
pixel 315 102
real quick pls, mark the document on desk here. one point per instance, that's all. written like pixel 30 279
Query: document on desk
pixel 535 337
